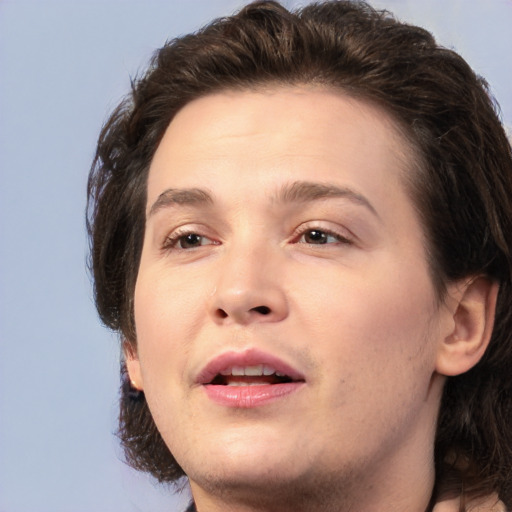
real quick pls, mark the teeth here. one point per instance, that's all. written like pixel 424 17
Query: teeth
pixel 254 371
pixel 237 370
pixel 268 370
pixel 251 371
pixel 245 384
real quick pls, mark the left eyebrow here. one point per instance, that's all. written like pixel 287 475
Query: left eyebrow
pixel 306 191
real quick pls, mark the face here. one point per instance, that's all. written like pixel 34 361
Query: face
pixel 287 326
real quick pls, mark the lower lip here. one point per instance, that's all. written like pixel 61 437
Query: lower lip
pixel 247 397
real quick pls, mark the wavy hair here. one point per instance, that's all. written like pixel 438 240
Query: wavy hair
pixel 462 189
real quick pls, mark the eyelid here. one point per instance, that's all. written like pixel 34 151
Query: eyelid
pixel 343 235
pixel 171 240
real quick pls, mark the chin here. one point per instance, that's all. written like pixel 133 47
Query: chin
pixel 268 483
pixel 246 458
pixel 247 481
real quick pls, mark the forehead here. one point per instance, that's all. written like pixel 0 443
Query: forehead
pixel 266 137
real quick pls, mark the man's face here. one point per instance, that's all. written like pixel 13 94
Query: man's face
pixel 280 238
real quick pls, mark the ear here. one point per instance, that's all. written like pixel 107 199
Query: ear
pixel 133 365
pixel 473 321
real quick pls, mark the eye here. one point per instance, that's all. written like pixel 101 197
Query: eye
pixel 185 241
pixel 321 237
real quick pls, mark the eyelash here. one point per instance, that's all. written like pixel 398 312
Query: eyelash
pixel 171 242
pixel 340 239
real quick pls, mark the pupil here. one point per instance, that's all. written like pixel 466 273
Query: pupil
pixel 316 236
pixel 190 240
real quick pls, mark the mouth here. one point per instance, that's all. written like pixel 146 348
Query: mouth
pixel 248 379
pixel 257 375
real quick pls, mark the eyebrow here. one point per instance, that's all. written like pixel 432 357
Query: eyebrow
pixel 306 191
pixel 296 192
pixel 187 197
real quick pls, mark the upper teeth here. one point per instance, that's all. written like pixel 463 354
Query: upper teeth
pixel 253 371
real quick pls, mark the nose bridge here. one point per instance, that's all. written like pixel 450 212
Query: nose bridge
pixel 248 287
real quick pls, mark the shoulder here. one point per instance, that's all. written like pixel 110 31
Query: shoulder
pixel 486 504
pixel 191 508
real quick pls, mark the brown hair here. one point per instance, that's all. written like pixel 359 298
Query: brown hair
pixel 462 190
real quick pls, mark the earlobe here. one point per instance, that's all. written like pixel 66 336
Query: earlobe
pixel 133 365
pixel 473 321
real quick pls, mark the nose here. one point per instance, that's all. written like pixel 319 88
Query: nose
pixel 249 289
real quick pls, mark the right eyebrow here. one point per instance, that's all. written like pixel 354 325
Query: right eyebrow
pixel 184 196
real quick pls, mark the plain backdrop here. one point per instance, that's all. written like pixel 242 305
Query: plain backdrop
pixel 63 66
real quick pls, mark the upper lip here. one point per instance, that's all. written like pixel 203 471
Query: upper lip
pixel 250 357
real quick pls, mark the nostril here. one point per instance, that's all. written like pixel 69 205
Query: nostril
pixel 221 313
pixel 263 310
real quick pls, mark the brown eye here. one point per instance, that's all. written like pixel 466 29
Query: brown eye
pixel 191 240
pixel 184 240
pixel 320 237
pixel 315 236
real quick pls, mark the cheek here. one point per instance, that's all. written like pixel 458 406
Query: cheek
pixel 378 359
pixel 164 319
pixel 378 325
pixel 167 320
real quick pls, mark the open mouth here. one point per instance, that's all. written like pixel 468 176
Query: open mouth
pixel 249 379
pixel 258 375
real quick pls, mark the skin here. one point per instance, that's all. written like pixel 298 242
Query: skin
pixel 358 315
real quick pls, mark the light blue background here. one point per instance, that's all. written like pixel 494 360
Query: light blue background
pixel 63 66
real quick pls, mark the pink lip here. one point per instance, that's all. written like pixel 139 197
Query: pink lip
pixel 251 357
pixel 247 396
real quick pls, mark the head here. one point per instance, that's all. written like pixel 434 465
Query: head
pixel 454 181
